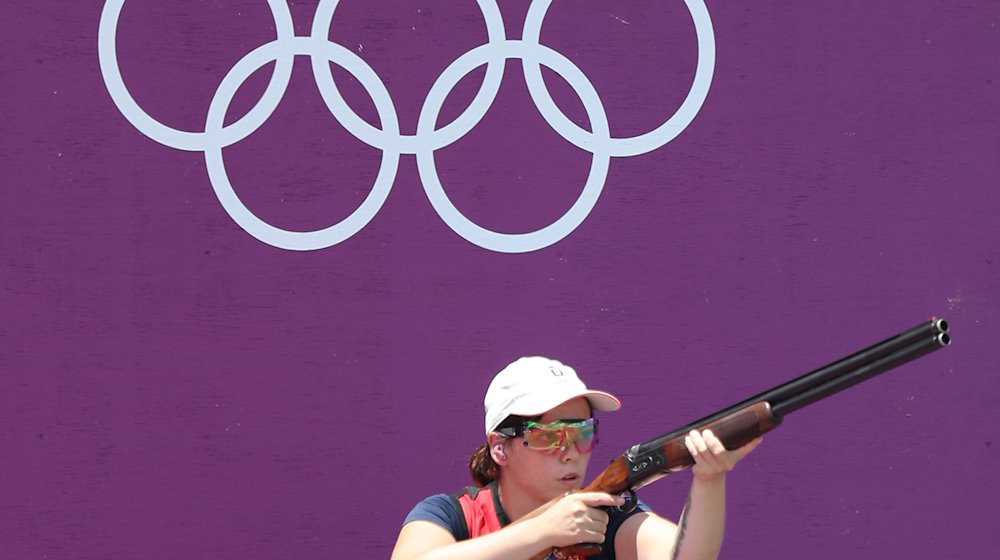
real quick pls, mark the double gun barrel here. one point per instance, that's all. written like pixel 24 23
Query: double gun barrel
pixel 740 423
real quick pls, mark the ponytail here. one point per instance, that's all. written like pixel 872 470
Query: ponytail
pixel 482 467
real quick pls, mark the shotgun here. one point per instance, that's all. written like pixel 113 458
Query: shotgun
pixel 736 425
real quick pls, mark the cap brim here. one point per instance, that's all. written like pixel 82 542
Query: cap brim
pixel 603 401
pixel 599 400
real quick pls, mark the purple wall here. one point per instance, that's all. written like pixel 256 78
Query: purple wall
pixel 173 387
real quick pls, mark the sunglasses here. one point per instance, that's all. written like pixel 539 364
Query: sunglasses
pixel 557 435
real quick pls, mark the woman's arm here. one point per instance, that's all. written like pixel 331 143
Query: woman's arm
pixel 698 533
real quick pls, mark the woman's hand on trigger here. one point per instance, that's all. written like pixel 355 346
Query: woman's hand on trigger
pixel 576 518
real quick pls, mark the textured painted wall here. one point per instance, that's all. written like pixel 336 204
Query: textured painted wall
pixel 173 387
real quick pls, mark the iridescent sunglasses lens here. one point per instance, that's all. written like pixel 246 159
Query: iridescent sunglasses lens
pixel 558 435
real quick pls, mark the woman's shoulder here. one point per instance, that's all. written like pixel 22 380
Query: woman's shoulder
pixel 440 509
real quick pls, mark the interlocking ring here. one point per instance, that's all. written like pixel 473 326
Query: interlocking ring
pixel 427 139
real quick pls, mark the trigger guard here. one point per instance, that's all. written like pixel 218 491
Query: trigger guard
pixel 631 502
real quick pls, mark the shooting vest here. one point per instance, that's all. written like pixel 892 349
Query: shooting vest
pixel 481 510
pixel 483 513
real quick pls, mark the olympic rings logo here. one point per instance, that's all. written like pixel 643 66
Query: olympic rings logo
pixel 494 54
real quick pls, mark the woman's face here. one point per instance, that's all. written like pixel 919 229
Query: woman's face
pixel 546 475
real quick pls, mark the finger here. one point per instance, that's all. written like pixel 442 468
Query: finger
pixel 592 527
pixel 707 462
pixel 702 451
pixel 698 441
pixel 696 445
pixel 598 522
pixel 703 459
pixel 594 535
pixel 717 450
pixel 714 443
pixel 697 453
pixel 599 499
pixel 600 517
pixel 690 447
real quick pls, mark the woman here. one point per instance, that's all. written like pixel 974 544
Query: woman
pixel 540 432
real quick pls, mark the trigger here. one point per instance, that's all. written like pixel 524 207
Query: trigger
pixel 631 501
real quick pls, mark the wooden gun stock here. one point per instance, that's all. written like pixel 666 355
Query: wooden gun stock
pixel 739 424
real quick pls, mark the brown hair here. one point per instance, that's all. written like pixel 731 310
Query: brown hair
pixel 482 467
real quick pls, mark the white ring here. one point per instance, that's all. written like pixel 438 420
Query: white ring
pixel 272 235
pixel 180 139
pixel 554 232
pixel 636 145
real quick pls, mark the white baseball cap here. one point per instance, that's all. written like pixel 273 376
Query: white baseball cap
pixel 533 385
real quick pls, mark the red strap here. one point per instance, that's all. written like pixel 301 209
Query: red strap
pixel 480 514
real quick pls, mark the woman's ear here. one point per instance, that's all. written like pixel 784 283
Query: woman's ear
pixel 497 449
